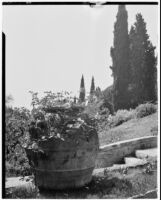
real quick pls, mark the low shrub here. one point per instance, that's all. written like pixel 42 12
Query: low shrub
pixel 120 117
pixel 145 109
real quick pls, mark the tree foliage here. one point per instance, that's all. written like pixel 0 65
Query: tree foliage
pixel 120 59
pixel 82 90
pixel 98 93
pixel 134 63
pixel 143 64
pixel 92 89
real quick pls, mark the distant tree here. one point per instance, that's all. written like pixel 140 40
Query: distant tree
pixel 107 99
pixel 75 100
pixel 82 90
pixel 98 92
pixel 107 94
pixel 143 64
pixel 92 89
pixel 120 61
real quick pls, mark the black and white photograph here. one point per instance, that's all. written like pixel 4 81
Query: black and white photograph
pixel 80 100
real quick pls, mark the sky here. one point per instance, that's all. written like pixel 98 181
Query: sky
pixel 48 48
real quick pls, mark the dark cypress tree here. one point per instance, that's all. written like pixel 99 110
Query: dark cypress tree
pixel 82 91
pixel 120 61
pixel 92 90
pixel 134 71
pixel 143 63
pixel 75 100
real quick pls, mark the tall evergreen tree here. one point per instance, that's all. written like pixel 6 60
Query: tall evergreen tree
pixel 82 90
pixel 120 61
pixel 92 90
pixel 75 100
pixel 142 62
pixel 134 71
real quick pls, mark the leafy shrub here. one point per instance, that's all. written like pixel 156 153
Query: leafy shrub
pixel 16 120
pixel 145 109
pixel 120 117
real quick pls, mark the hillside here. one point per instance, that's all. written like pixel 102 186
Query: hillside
pixel 131 129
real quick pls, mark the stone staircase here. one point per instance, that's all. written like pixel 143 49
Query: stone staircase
pixel 116 152
pixel 142 157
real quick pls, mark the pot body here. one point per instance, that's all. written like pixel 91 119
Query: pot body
pixel 65 163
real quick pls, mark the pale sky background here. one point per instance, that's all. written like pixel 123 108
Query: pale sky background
pixel 48 48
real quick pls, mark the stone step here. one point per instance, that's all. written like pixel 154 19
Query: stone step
pixel 148 154
pixel 131 161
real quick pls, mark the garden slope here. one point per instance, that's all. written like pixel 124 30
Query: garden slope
pixel 134 128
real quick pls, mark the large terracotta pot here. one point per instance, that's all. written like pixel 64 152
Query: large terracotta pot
pixel 68 163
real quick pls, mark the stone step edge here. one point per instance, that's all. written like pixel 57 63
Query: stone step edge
pixel 115 167
pixel 119 143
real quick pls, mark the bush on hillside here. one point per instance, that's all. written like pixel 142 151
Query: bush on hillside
pixel 120 117
pixel 145 109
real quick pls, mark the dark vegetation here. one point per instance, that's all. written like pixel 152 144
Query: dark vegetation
pixel 134 63
pixel 17 120
pixel 82 90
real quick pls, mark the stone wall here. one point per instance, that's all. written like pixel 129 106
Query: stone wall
pixel 115 153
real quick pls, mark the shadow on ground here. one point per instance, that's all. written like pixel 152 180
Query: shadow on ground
pixel 99 187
